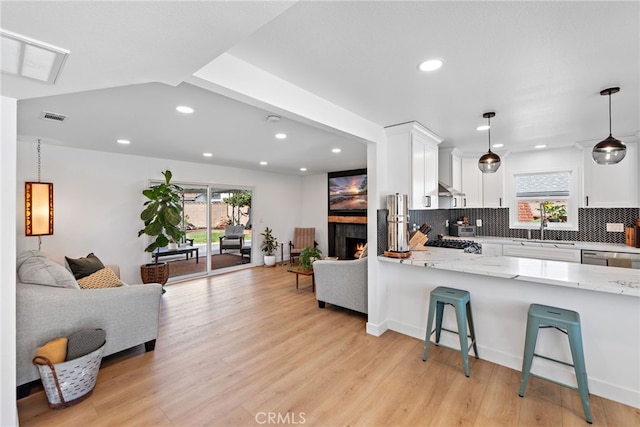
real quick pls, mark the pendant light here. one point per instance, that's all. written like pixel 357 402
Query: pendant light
pixel 489 162
pixel 609 151
pixel 38 207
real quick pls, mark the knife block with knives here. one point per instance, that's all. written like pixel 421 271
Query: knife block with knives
pixel 419 238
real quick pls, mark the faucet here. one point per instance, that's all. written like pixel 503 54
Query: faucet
pixel 543 220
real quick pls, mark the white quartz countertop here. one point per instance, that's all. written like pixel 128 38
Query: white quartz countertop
pixel 594 246
pixel 615 280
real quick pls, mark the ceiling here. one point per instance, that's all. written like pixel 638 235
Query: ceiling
pixel 539 65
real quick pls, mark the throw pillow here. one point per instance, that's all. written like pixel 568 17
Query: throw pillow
pixel 103 278
pixel 84 342
pixel 37 269
pixel 83 267
pixel 54 350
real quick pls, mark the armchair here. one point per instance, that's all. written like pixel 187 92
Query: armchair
pixel 302 238
pixel 233 237
pixel 342 283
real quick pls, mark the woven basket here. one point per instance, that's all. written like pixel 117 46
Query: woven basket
pixel 155 273
pixel 69 382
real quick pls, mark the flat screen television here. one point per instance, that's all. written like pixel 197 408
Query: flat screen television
pixel 348 192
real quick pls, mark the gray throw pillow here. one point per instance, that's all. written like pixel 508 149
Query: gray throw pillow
pixel 37 269
pixel 84 342
pixel 83 267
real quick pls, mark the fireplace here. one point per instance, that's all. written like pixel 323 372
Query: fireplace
pixel 344 237
pixel 354 247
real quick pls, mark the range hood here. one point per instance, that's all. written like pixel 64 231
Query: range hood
pixel 446 191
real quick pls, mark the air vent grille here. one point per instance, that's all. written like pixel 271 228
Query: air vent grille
pixel 46 115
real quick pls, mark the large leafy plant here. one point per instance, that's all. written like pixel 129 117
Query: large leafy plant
pixel 163 214
pixel 269 242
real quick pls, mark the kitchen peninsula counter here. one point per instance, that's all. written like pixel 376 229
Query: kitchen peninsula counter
pixel 502 288
pixel 624 281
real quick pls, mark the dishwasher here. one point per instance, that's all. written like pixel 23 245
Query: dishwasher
pixel 611 259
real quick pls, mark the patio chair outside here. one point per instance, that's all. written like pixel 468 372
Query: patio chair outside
pixel 233 237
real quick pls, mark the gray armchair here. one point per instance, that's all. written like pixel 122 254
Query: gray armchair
pixel 342 283
pixel 233 237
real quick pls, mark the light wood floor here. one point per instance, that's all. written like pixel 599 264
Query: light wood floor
pixel 247 348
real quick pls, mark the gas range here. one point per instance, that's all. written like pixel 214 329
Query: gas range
pixel 468 246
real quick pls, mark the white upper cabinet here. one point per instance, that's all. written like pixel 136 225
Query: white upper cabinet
pixel 493 188
pixel 611 186
pixel 412 159
pixel 471 183
pixel 481 190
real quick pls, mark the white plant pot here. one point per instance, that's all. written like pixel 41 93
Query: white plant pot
pixel 269 260
pixel 173 246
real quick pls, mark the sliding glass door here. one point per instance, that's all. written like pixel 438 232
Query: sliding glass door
pixel 217 223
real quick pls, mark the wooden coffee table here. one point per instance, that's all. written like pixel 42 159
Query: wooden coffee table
pixel 305 272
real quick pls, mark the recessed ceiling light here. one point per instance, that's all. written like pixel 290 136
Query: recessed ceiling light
pixel 124 141
pixel 483 127
pixel 303 169
pixel 281 135
pixel 263 163
pixel 207 154
pixel 497 145
pixel 430 64
pixel 540 146
pixel 184 109
pixel 336 150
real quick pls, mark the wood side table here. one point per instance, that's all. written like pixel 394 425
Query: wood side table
pixel 305 272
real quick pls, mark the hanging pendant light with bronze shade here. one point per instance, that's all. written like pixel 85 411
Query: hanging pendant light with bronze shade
pixel 609 151
pixel 489 162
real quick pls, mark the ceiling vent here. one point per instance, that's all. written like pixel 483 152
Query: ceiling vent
pixel 54 117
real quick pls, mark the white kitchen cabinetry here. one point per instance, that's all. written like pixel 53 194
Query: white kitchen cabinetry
pixel 493 188
pixel 542 251
pixel 611 186
pixel 471 183
pixel 412 153
pixel 481 190
pixel 450 174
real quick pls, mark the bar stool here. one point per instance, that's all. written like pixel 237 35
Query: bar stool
pixel 567 322
pixel 461 301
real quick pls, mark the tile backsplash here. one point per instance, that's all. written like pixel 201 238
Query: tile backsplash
pixel 495 222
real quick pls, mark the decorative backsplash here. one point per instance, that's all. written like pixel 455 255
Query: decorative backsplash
pixel 495 222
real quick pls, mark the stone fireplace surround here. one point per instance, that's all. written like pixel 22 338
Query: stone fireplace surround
pixel 341 228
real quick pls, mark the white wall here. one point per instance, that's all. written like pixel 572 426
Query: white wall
pixel 98 200
pixel 8 409
pixel 314 208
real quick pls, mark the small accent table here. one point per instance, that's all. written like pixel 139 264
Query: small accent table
pixel 188 250
pixel 245 250
pixel 305 272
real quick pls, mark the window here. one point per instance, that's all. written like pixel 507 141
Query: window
pixel 545 194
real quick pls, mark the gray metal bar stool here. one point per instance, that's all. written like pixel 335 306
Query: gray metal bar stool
pixel 461 301
pixel 567 322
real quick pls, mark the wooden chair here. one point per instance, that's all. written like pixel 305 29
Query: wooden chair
pixel 302 238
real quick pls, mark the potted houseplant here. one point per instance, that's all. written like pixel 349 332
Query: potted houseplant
pixel 268 246
pixel 162 216
pixel 308 256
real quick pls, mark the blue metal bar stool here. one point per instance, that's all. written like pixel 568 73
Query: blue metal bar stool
pixel 461 301
pixel 568 322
